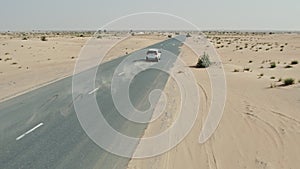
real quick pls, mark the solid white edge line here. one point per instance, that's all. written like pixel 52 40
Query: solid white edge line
pixel 29 131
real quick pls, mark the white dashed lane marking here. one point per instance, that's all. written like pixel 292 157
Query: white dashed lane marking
pixel 29 131
pixel 93 91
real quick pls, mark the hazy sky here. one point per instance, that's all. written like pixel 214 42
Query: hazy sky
pixel 25 15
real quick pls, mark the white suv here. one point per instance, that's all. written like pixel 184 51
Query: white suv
pixel 153 55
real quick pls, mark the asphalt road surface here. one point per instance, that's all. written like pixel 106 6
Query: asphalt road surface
pixel 40 129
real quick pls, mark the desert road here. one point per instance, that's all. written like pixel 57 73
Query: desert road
pixel 40 129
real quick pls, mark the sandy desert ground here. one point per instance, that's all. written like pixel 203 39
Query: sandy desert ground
pixel 27 64
pixel 261 122
pixel 260 127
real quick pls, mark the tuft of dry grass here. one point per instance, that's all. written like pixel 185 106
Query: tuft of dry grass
pixel 288 81
pixel 246 69
pixel 7 59
pixel 43 38
pixel 273 85
pixel 288 66
pixel 272 65
pixel 294 62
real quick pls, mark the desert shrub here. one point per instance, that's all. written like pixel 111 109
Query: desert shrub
pixel 272 77
pixel 288 66
pixel 169 36
pixel 272 85
pixel 272 65
pixel 43 38
pixel 279 80
pixel 288 81
pixel 236 70
pixel 7 59
pixel 188 35
pixel 250 61
pixel 294 62
pixel 24 38
pixel 246 69
pixel 203 61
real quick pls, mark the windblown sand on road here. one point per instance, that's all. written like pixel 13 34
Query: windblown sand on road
pixel 260 127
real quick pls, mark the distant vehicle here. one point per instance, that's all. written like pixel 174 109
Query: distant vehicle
pixel 153 55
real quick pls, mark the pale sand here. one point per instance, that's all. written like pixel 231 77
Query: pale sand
pixel 260 125
pixel 27 64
